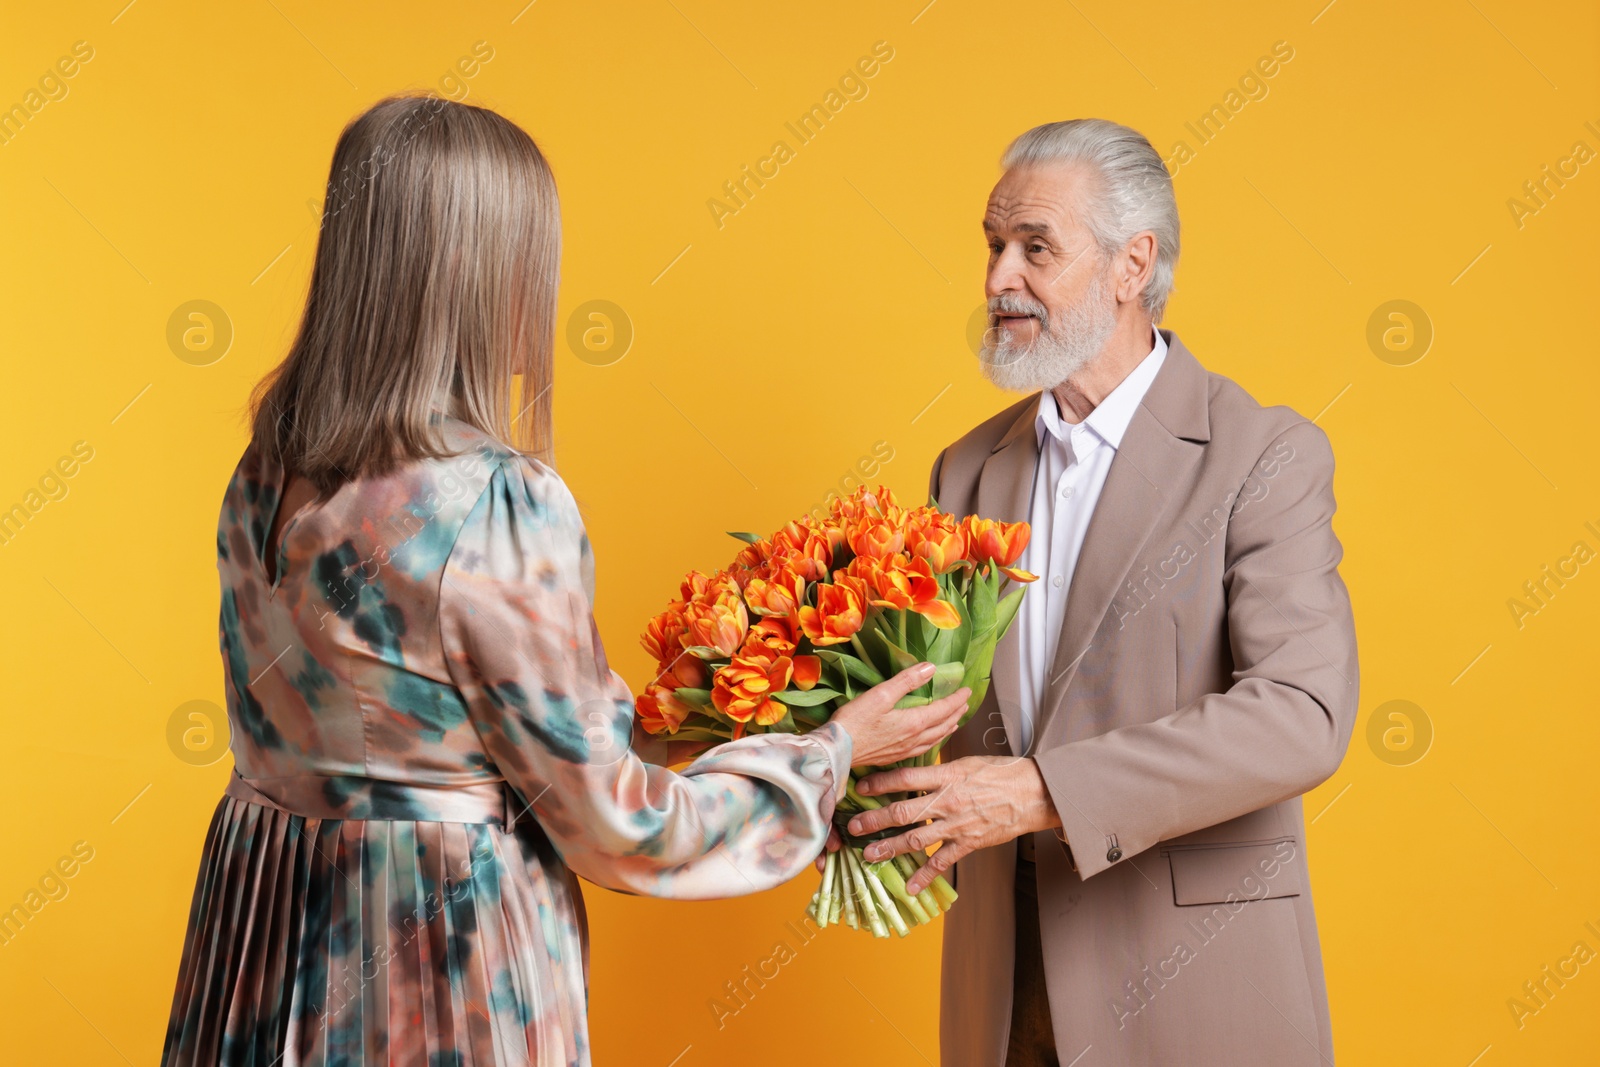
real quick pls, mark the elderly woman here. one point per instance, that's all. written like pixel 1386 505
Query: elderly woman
pixel 428 742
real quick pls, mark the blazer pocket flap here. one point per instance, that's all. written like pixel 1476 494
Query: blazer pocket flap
pixel 1221 874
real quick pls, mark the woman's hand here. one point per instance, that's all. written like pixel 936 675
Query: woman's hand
pixel 833 844
pixel 881 735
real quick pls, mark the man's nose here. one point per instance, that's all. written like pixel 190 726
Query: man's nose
pixel 1006 274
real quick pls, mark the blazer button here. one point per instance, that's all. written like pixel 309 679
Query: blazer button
pixel 1113 854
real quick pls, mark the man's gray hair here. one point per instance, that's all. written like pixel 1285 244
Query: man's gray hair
pixel 1134 191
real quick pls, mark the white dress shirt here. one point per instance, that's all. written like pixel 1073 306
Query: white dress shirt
pixel 1074 459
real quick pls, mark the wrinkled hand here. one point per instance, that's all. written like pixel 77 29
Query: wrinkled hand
pixel 970 803
pixel 881 734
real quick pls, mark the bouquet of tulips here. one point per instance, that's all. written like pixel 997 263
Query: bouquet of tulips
pixel 804 620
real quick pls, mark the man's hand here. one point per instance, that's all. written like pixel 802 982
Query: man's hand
pixel 970 804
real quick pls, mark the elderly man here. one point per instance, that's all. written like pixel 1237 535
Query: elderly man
pixel 1123 815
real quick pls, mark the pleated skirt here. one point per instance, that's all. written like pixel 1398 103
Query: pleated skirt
pixel 336 943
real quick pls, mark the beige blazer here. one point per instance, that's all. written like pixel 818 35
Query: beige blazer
pixel 1206 678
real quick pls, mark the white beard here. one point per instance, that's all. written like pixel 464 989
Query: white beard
pixel 1062 349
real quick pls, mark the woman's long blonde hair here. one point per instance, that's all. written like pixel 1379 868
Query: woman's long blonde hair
pixel 434 287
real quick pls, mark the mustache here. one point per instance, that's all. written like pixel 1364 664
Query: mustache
pixel 1017 304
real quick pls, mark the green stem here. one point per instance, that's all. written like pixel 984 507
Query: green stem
pixel 939 888
pixel 830 872
pixel 885 901
pixel 865 901
pixel 896 885
pixel 864 803
pixel 861 650
pixel 848 889
pixel 908 867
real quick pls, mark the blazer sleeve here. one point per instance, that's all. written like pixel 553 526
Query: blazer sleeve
pixel 1283 725
pixel 933 477
pixel 521 644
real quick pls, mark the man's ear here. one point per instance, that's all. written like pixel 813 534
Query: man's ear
pixel 1135 266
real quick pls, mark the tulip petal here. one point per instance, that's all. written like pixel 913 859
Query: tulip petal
pixel 1017 574
pixel 807 671
pixel 770 712
pixel 941 613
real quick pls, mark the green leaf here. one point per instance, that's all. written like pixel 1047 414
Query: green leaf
pixel 975 701
pixel 961 636
pixel 747 538
pixel 920 633
pixel 805 698
pixel 981 605
pixel 690 733
pixel 833 673
pixel 947 678
pixel 979 664
pixel 951 644
pixel 1006 610
pixel 854 667
pixel 705 652
pixel 693 696
pixel 898 658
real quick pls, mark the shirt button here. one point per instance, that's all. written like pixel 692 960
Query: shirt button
pixel 1056 581
pixel 1066 491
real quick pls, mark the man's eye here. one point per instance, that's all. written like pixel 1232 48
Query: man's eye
pixel 1036 249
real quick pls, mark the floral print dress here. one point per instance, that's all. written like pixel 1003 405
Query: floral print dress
pixel 428 746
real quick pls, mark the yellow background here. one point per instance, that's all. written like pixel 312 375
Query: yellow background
pixel 769 356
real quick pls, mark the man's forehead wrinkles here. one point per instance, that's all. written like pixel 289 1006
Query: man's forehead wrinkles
pixel 1010 208
pixel 1020 222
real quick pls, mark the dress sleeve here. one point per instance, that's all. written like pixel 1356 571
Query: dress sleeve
pixel 519 636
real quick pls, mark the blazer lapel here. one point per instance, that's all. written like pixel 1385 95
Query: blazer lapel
pixel 1157 453
pixel 1005 492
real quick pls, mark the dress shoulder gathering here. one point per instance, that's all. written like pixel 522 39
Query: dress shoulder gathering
pixel 428 746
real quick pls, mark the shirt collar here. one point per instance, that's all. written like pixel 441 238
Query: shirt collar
pixel 1110 418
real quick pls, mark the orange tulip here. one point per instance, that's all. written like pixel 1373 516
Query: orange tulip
pixel 660 710
pixel 804 550
pixel 779 594
pixel 793 535
pixel 779 636
pixel 941 541
pixel 876 538
pixel 810 563
pixel 841 609
pixel 663 637
pixel 664 640
pixel 753 555
pixel 723 586
pixel 861 502
pixel 1000 543
pixel 846 509
pixel 719 624
pixel 685 670
pixel 750 563
pixel 774 632
pixel 743 689
pixel 807 671
pixel 908 585
pixel 830 532
pixel 694 586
